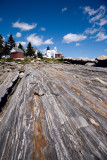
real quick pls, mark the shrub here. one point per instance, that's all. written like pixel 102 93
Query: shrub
pixel 9 59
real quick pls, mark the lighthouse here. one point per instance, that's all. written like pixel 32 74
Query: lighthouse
pixel 48 52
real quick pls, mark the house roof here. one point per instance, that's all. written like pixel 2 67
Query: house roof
pixel 15 49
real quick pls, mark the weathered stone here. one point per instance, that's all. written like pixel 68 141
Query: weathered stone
pixel 32 61
pixel 90 64
pixel 102 61
pixel 57 112
pixel 81 61
pixel 21 75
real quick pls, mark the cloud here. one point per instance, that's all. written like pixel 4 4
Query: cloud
pixel 101 36
pixel 24 26
pixel 38 41
pixel 99 15
pixel 43 29
pixel 91 30
pixel 87 9
pixel 105 50
pixel 77 44
pixel 69 38
pixel 95 15
pixel 35 40
pixel 21 42
pixel 48 41
pixel 103 21
pixel 1 19
pixel 64 9
pixel 18 34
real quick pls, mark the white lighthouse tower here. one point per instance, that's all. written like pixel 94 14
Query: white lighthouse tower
pixel 48 52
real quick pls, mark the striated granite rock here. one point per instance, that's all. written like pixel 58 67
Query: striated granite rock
pixel 57 112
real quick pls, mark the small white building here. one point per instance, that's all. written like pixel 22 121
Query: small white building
pixel 52 53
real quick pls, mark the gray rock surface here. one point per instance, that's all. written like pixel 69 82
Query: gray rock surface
pixel 56 112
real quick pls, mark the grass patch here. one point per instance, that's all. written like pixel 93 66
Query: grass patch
pixel 7 60
pixel 27 60
pixel 18 61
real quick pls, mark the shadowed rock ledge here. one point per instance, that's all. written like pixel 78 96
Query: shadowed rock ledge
pixel 56 112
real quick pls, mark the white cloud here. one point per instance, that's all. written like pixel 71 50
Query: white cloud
pixel 91 30
pixel 18 34
pixel 64 9
pixel 38 41
pixel 101 12
pixel 48 41
pixel 43 29
pixel 21 42
pixel 105 50
pixel 101 36
pixel 73 38
pixel 87 9
pixel 77 44
pixel 1 19
pixel 35 40
pixel 24 26
pixel 95 15
pixel 103 21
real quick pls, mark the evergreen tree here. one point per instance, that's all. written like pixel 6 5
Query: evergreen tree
pixel 11 42
pixel 1 45
pixel 6 49
pixel 30 51
pixel 20 46
pixel 39 55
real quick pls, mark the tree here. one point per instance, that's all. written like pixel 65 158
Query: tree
pixel 1 45
pixel 20 46
pixel 6 49
pixel 30 51
pixel 11 42
pixel 39 55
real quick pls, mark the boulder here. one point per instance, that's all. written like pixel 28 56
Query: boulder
pixel 32 61
pixel 21 75
pixel 102 61
pixel 90 64
pixel 81 61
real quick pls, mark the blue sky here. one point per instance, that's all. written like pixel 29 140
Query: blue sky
pixel 78 28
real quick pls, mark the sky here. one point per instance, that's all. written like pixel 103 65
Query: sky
pixel 78 28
